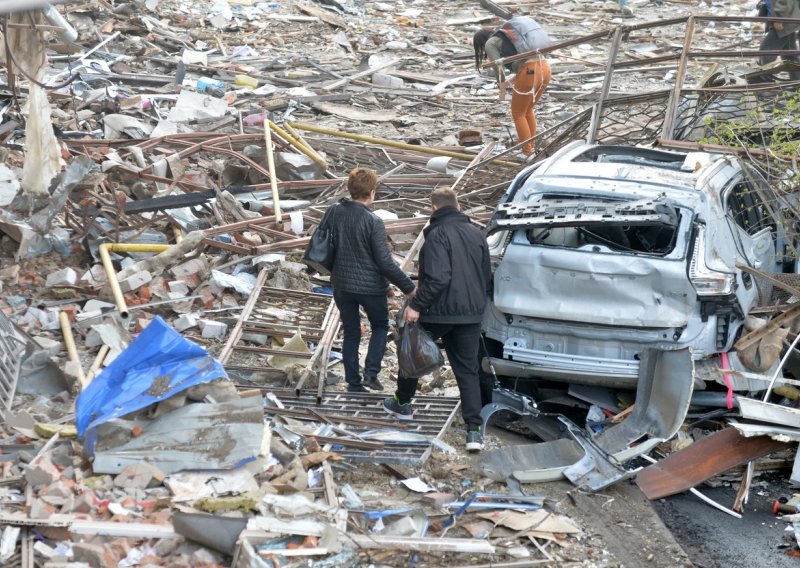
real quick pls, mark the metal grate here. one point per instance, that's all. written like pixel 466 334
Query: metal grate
pixel 280 313
pixel 275 312
pixel 553 139
pixel 12 347
pixel 779 296
pixel 364 412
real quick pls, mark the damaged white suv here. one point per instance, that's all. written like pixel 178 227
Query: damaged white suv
pixel 605 251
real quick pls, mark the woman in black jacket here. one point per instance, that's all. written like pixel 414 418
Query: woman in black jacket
pixel 361 268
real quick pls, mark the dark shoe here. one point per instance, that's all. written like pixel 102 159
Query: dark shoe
pixel 401 411
pixel 372 383
pixel 356 388
pixel 474 440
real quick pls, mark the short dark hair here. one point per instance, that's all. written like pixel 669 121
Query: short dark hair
pixel 444 197
pixel 361 182
pixel 479 45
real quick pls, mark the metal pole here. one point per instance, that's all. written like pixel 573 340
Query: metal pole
pixel 273 180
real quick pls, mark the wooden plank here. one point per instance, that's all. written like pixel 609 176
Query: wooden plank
pixel 329 484
pixel 702 460
pixel 750 338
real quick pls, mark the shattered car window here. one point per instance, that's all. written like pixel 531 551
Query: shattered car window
pixel 571 221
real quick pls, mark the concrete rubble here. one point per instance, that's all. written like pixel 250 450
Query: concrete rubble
pixel 171 387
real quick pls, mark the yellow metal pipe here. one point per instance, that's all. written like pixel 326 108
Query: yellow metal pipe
pixel 297 136
pixel 105 258
pixel 101 355
pixel 297 142
pixel 393 144
pixel 176 230
pixel 273 179
pixel 72 351
pixel 319 159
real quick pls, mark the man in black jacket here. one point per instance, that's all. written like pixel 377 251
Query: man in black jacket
pixel 361 267
pixel 454 273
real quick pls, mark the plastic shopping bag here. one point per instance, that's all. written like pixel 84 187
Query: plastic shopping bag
pixel 418 354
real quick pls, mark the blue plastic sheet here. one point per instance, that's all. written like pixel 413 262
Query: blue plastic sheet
pixel 156 365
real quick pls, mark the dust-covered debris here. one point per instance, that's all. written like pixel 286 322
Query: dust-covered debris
pixel 170 381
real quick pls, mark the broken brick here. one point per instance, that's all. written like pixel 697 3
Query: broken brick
pixel 42 472
pixel 139 476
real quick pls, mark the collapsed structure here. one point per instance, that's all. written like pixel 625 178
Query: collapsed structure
pixel 156 230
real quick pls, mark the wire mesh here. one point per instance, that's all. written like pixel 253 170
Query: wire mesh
pixel 633 120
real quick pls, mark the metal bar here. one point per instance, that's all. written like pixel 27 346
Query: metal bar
pixel 597 114
pixel 273 178
pixel 309 414
pixel 672 106
pixel 105 257
pixel 69 341
pixel 326 351
pixel 741 53
pixel 236 332
pixel 268 351
pixel 697 146
pixel 393 144
pixel 736 19
pixel 360 444
pixel 238 249
pixel 326 337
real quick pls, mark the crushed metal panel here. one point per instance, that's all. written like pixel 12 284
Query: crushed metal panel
pixel 432 416
pixel 12 348
pixel 663 395
pixel 778 433
pixel 656 293
pixel 705 458
pixel 509 400
pixel 767 412
pixel 528 463
pixel 597 469
pixel 197 436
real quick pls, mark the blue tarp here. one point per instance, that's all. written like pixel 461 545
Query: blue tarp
pixel 156 365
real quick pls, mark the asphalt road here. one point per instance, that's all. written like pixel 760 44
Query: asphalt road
pixel 713 539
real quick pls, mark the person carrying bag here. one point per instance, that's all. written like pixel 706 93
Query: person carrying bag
pixel 362 267
pixel 454 274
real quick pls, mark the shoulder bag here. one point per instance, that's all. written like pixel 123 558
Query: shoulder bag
pixel 321 249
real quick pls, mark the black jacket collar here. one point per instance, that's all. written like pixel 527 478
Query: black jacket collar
pixel 446 215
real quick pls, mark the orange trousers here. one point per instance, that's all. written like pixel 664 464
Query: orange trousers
pixel 529 86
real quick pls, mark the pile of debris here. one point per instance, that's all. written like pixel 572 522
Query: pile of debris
pixel 169 381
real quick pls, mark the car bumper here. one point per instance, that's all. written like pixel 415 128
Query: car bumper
pixel 518 362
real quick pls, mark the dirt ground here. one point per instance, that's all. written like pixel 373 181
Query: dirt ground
pixel 619 526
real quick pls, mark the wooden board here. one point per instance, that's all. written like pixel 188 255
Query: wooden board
pixel 702 460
